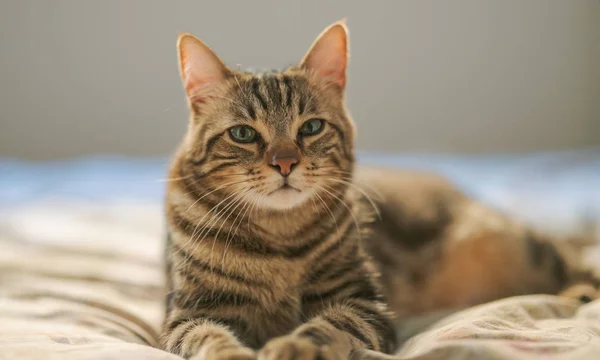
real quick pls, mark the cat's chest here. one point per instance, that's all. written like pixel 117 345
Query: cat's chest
pixel 272 322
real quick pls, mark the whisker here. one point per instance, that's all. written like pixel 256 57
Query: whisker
pixel 224 176
pixel 327 208
pixel 336 169
pixel 218 188
pixel 371 188
pixel 192 237
pixel 175 179
pixel 254 204
pixel 227 242
pixel 232 205
pixel 375 208
pixel 220 212
pixel 238 202
pixel 346 205
pixel 314 204
pixel 203 232
pixel 227 238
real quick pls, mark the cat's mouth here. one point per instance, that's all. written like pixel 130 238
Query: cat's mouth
pixel 285 188
pixel 284 196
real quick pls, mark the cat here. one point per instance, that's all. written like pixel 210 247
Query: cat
pixel 275 242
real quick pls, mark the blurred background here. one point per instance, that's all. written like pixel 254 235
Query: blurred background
pixel 500 96
pixel 466 76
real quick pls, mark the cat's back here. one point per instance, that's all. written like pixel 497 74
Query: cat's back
pixel 407 197
pixel 436 248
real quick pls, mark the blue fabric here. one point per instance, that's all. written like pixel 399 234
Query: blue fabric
pixel 87 179
pixel 555 190
pixel 560 184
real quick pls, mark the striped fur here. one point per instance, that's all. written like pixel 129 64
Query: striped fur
pixel 258 269
pixel 439 250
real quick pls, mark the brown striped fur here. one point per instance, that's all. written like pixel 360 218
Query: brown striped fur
pixel 259 269
pixel 437 249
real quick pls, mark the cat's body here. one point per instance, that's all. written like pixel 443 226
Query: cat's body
pixel 269 247
pixel 265 277
pixel 437 249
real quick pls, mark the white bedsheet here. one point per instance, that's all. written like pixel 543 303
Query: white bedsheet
pixel 84 281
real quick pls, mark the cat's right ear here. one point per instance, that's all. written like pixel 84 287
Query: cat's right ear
pixel 200 69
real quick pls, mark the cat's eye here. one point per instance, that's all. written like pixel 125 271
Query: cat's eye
pixel 243 134
pixel 312 127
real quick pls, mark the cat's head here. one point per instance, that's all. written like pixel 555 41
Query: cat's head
pixel 276 139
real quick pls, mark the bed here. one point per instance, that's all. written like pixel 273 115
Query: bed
pixel 81 245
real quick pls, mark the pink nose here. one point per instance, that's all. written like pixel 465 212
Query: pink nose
pixel 285 164
pixel 284 157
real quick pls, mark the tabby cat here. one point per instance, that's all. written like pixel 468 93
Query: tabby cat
pixel 269 253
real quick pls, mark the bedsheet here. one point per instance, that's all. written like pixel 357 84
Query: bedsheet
pixel 81 245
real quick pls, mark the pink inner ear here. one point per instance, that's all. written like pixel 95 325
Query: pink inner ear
pixel 328 56
pixel 201 69
pixel 194 87
pixel 330 69
pixel 199 78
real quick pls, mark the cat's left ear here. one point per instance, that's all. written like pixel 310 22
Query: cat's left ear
pixel 328 56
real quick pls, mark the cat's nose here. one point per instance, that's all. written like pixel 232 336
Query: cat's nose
pixel 285 164
pixel 284 158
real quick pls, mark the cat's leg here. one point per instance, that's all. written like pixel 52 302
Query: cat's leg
pixel 584 286
pixel 203 338
pixel 564 266
pixel 584 293
pixel 344 316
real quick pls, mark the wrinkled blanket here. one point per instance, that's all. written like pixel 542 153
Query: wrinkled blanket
pixel 84 281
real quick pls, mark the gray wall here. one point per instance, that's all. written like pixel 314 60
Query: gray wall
pixel 89 76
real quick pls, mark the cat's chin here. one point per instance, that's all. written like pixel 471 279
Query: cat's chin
pixel 284 198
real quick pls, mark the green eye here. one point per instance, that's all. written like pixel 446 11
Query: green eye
pixel 243 134
pixel 312 127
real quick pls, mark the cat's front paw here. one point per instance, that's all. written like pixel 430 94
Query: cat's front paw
pixel 225 353
pixel 297 348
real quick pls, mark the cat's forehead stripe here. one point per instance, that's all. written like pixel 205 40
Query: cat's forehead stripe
pixel 255 86
pixel 288 87
pixel 275 97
